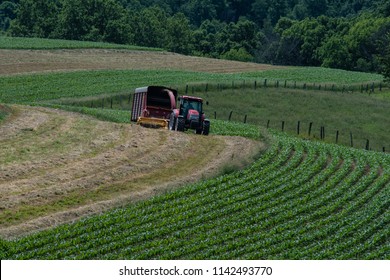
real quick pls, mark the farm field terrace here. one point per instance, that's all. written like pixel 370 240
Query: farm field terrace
pixel 360 113
pixel 300 200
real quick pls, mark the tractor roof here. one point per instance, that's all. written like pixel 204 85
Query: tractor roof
pixel 192 98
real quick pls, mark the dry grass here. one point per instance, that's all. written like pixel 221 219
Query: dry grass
pixel 58 166
pixel 30 61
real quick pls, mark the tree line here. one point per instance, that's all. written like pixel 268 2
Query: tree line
pixel 351 35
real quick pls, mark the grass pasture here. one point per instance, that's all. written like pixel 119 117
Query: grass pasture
pixel 366 117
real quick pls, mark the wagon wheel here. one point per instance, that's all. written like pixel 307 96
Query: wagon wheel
pixel 172 122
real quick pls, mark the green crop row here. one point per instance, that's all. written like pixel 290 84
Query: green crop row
pixel 320 75
pixel 299 200
pixel 42 87
pixel 42 43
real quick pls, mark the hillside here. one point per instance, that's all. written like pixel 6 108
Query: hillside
pixel 350 35
pixel 99 77
pixel 33 61
pixel 299 199
pixel 58 166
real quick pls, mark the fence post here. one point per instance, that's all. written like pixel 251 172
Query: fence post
pixel 268 123
pixel 282 125
pixel 285 83
pixel 265 82
pixel 215 115
pixel 310 126
pixel 230 115
pixel 337 137
pixel 255 85
pixel 350 134
pixel 245 118
pixel 367 144
pixel 322 133
pixel 298 127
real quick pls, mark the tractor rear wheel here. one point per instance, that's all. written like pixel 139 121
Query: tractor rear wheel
pixel 206 128
pixel 180 124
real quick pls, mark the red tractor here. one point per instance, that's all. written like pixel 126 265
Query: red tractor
pixel 189 115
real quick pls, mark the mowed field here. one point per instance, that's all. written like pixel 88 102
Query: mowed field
pixel 57 167
pixel 33 61
pixel 298 200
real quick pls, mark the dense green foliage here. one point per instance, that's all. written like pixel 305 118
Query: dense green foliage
pixel 386 61
pixel 329 33
pixel 300 200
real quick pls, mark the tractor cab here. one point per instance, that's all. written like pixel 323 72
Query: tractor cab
pixel 189 115
pixel 190 107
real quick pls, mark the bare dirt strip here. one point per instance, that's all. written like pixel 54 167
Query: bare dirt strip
pixel 58 166
pixel 29 61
